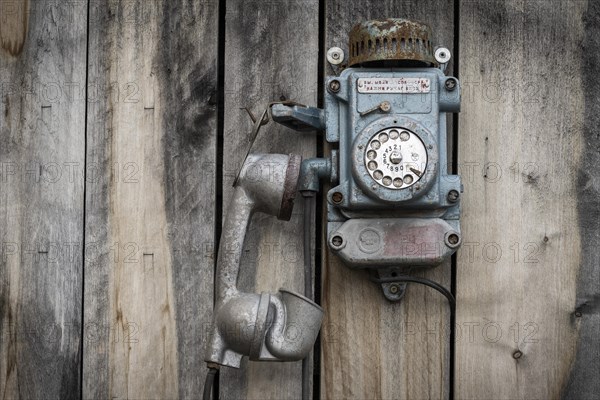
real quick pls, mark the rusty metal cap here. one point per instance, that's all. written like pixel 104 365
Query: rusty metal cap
pixel 391 42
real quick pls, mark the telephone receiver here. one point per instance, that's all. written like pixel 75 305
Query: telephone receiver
pixel 278 327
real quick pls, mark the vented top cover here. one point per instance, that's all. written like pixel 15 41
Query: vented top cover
pixel 391 42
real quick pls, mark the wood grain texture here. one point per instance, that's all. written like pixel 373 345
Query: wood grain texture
pixel 271 54
pixel 42 131
pixel 522 136
pixel 14 23
pixel 583 382
pixel 150 197
pixel 372 348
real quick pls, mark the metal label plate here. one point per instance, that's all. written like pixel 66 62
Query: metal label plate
pixel 394 85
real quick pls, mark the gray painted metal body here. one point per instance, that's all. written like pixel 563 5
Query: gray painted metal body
pixel 421 113
pixel 375 221
pixel 279 327
pixel 386 228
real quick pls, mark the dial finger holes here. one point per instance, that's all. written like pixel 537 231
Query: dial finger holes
pixel 391 158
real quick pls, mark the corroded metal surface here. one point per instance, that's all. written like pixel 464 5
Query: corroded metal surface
pixel 281 326
pixel 391 40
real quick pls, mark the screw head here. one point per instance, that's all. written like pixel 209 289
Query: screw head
pixel 450 84
pixel 337 242
pixel 453 196
pixel 394 288
pixel 385 106
pixel 453 239
pixel 335 86
pixel 337 197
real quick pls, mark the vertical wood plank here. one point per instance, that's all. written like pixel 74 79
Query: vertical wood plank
pixel 522 136
pixel 582 379
pixel 372 348
pixel 42 131
pixel 150 197
pixel 271 54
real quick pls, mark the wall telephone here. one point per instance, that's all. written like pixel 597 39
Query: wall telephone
pixel 392 206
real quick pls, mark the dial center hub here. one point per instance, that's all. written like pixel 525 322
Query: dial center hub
pixel 396 157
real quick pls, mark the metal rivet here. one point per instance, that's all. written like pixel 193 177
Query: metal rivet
pixel 453 196
pixel 442 55
pixel 335 55
pixel 337 197
pixel 335 86
pixel 394 289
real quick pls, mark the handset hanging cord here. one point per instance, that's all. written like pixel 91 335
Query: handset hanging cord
pixel 208 383
pixel 309 203
pixel 451 302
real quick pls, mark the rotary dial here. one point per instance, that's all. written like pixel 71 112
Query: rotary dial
pixel 396 158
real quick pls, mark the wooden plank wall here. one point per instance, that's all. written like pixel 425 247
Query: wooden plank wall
pixel 110 189
pixel 372 348
pixel 42 158
pixel 150 200
pixel 527 157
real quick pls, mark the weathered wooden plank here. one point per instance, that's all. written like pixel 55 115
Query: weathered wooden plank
pixel 42 131
pixel 583 382
pixel 370 347
pixel 521 153
pixel 150 197
pixel 271 54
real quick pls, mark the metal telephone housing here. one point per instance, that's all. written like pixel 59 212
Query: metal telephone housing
pixel 395 205
pixel 392 206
